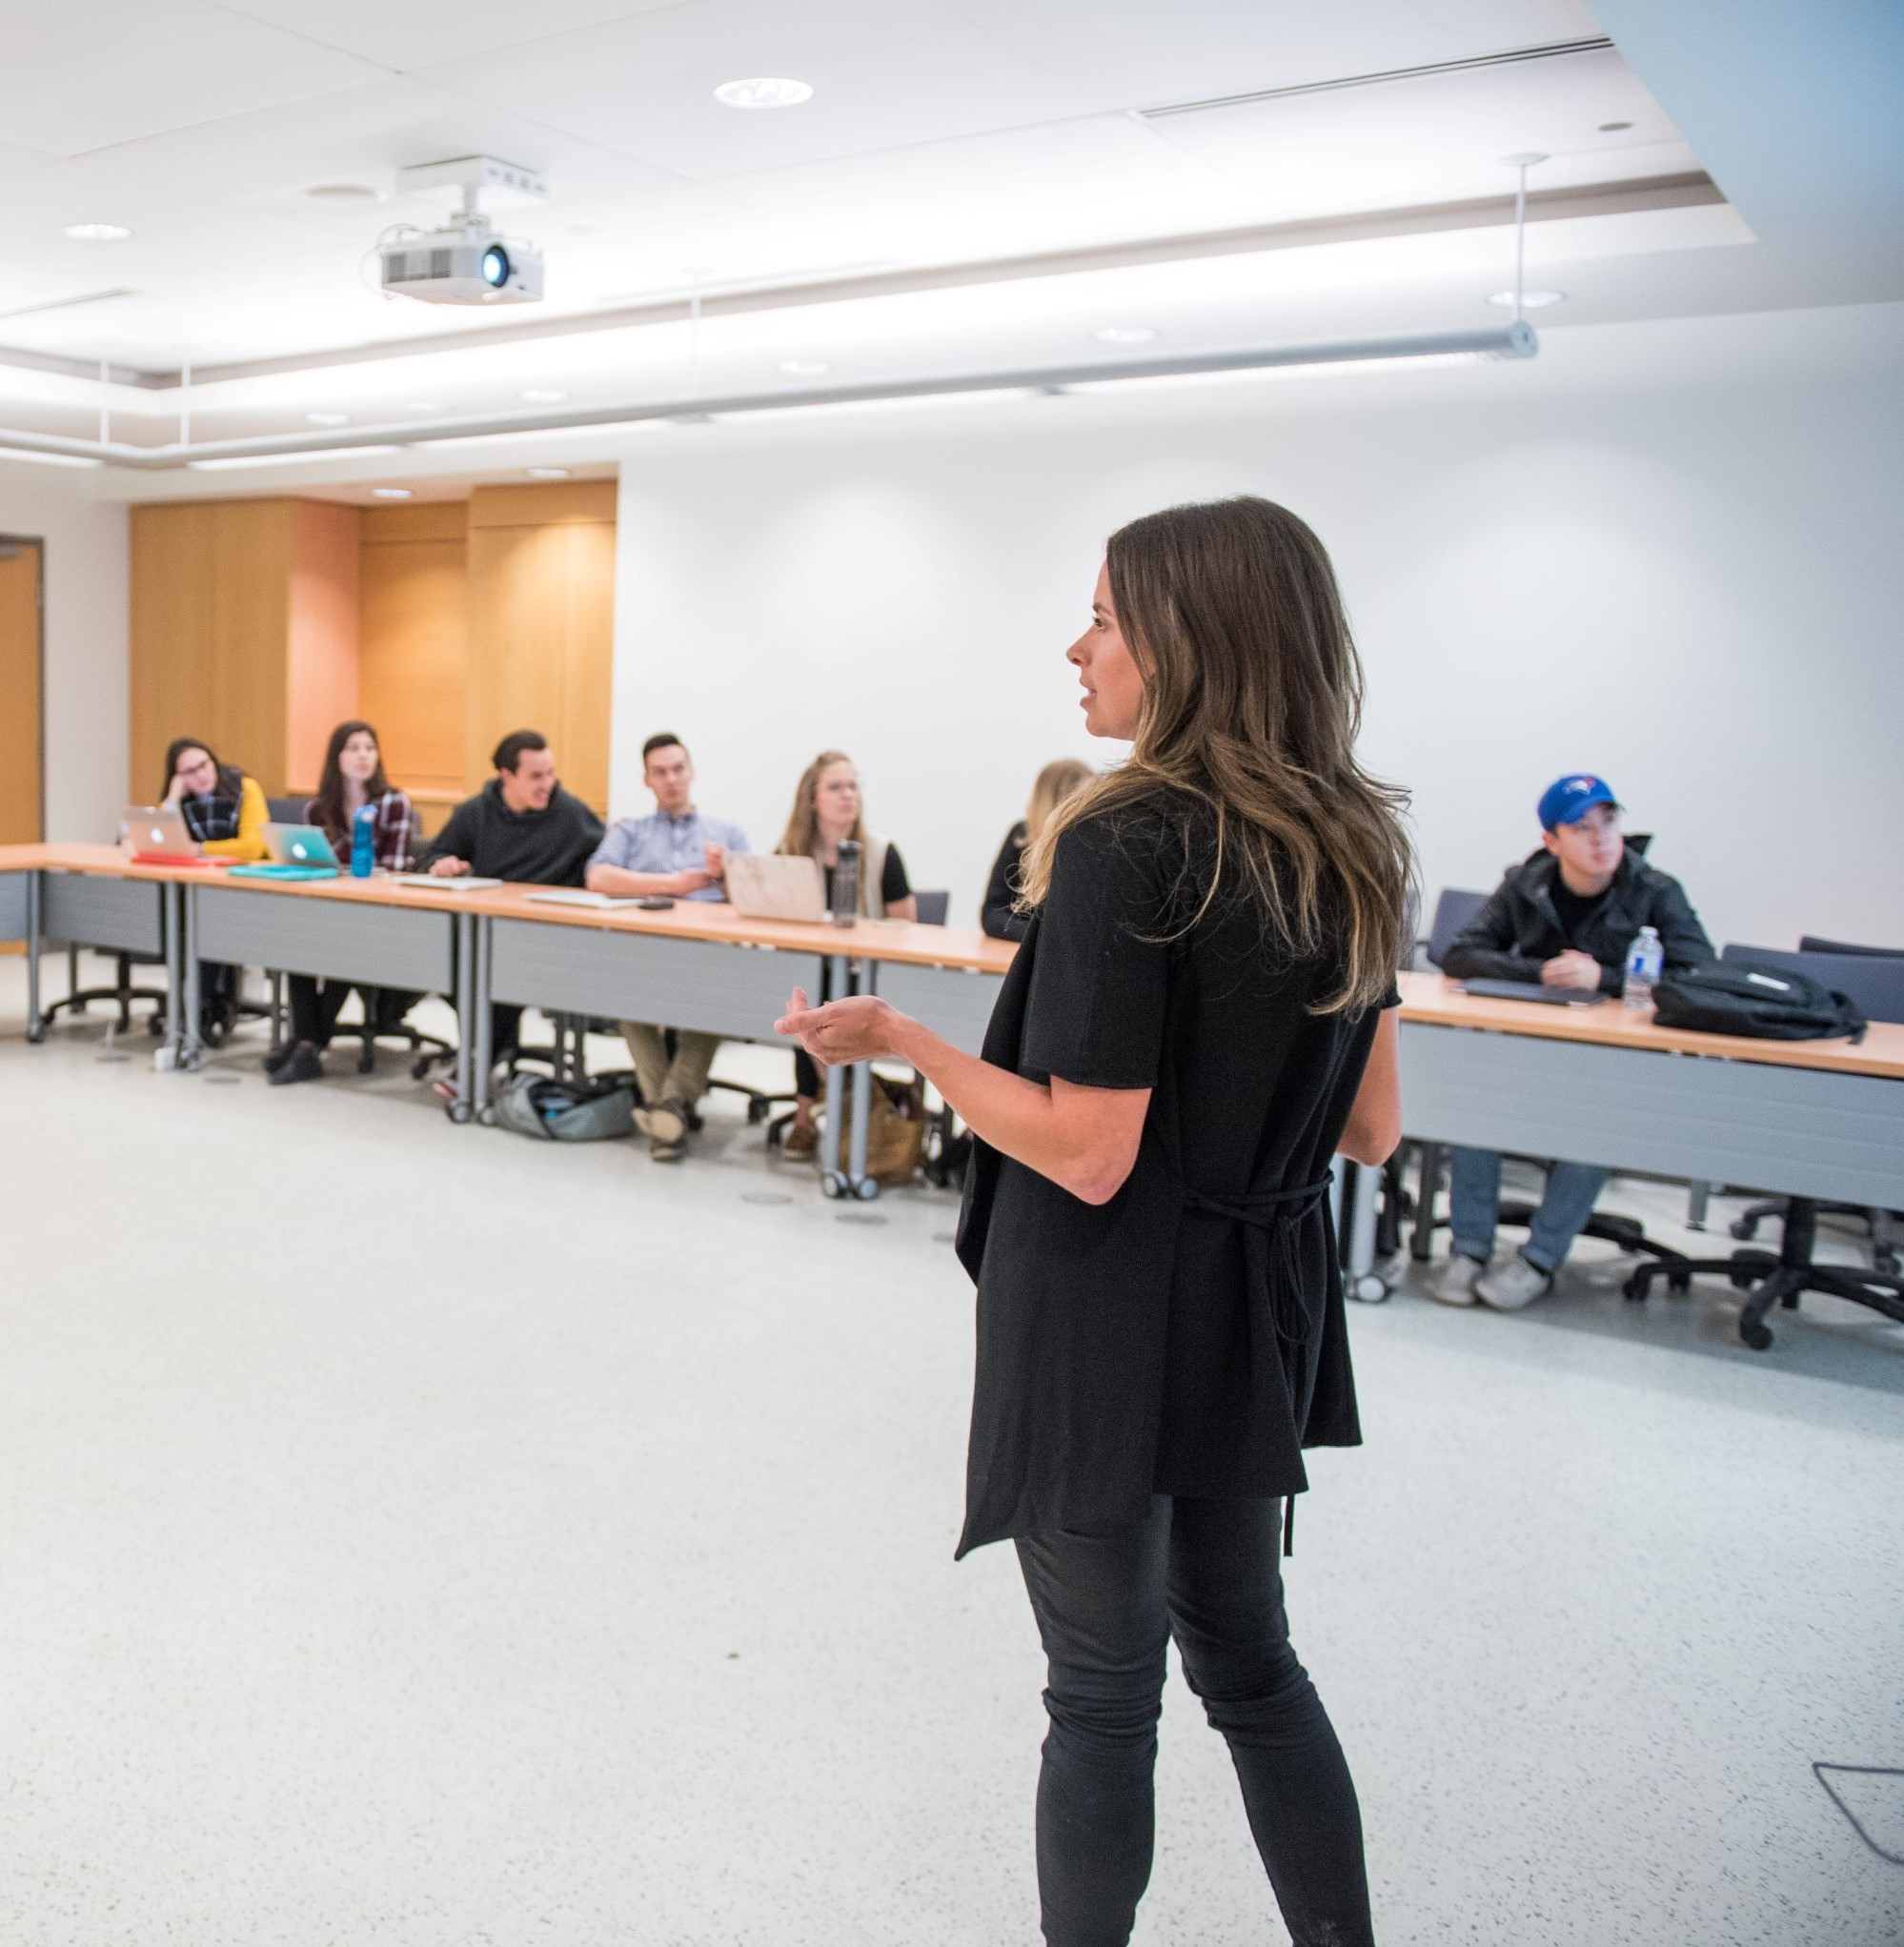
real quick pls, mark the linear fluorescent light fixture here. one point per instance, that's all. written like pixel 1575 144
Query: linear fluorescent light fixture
pixel 1501 343
pixel 241 460
pixel 48 458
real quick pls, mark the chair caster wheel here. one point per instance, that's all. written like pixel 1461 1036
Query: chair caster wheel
pixel 1756 1336
pixel 366 1064
pixel 1370 1289
pixel 756 1111
pixel 1744 1228
pixel 486 1116
pixel 457 1111
pixel 36 1032
pixel 1681 1285
pixel 868 1189
pixel 832 1184
pixel 420 1070
pixel 1742 1281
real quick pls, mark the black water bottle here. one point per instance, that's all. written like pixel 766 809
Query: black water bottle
pixel 847 883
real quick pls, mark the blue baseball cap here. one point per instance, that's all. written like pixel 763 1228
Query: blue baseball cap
pixel 1567 800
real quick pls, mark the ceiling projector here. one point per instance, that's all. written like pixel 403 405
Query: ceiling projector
pixel 465 262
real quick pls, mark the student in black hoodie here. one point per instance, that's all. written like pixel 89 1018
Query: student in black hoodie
pixel 1563 918
pixel 520 827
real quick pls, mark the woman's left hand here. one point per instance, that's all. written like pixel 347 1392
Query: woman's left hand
pixel 850 1030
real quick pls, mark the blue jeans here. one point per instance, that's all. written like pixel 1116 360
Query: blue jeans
pixel 1208 1573
pixel 1474 1194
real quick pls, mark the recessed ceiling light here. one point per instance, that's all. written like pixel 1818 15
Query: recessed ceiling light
pixel 544 396
pixel 391 493
pixel 1531 300
pixel 1613 127
pixel 1125 334
pixel 97 233
pixel 547 472
pixel 803 368
pixel 344 192
pixel 763 92
pixel 326 418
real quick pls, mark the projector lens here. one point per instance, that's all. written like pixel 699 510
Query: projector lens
pixel 495 266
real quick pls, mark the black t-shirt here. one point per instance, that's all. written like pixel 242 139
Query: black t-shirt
pixel 894 885
pixel 1574 910
pixel 1187 1337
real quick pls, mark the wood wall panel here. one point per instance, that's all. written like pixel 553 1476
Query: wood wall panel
pixel 21 774
pixel 244 715
pixel 541 589
pixel 321 674
pixel 413 652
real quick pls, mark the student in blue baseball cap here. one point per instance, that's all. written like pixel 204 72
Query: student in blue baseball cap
pixel 1565 917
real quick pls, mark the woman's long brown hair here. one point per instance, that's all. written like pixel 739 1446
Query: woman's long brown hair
pixel 1252 700
pixel 327 803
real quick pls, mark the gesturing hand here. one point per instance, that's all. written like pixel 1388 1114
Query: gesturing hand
pixel 850 1030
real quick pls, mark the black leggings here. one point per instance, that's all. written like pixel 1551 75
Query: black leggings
pixel 1208 1573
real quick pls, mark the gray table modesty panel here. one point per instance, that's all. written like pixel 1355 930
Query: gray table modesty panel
pixel 735 991
pixel 119 914
pixel 13 905
pixel 1796 1131
pixel 385 946
pixel 952 1001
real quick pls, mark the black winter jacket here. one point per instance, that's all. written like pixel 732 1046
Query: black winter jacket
pixel 547 847
pixel 1518 928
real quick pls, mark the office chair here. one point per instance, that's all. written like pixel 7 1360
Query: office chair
pixel 287 810
pixel 380 1024
pixel 121 994
pixel 1873 982
pixel 1882 1223
pixel 932 906
pixel 1455 907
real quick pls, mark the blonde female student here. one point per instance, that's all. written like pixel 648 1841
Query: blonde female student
pixel 1000 915
pixel 827 810
pixel 1199 1018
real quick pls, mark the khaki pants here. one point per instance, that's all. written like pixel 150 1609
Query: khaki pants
pixel 685 1077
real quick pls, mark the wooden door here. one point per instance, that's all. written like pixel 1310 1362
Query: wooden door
pixel 22 800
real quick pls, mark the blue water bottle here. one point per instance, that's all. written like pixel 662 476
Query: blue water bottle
pixel 363 841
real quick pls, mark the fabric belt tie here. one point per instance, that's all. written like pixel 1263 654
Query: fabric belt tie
pixel 1272 1225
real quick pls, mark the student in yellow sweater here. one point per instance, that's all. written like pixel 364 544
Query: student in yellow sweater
pixel 223 809
pixel 226 812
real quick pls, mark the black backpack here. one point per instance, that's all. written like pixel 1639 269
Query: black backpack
pixel 1767 1003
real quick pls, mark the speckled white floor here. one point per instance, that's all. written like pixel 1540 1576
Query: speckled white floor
pixel 414 1535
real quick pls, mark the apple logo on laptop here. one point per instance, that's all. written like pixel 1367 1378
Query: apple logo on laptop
pixel 158 835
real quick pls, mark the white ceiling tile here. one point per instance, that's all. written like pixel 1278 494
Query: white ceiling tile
pixel 415 32
pixel 1437 138
pixel 884 73
pixel 79 75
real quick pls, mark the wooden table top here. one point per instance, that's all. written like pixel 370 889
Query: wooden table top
pixel 1427 998
pixel 1435 1001
pixel 894 939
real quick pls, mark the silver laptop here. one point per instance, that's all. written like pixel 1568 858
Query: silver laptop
pixel 763 885
pixel 156 830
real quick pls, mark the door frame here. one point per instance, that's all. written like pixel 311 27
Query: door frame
pixel 37 543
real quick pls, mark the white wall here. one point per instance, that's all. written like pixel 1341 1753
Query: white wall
pixel 1670 553
pixel 85 643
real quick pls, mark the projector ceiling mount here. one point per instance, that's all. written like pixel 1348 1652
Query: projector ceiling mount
pixel 465 261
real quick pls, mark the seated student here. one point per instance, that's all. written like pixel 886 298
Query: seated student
pixel 1000 916
pixel 1563 918
pixel 224 810
pixel 677 852
pixel 522 826
pixel 826 812
pixel 351 777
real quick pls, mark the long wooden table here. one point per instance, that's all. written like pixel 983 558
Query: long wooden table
pixel 1599 1084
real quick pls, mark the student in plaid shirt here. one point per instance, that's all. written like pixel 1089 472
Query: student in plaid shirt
pixel 352 776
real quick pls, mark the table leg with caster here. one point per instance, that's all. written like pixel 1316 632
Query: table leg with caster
pixel 36 1026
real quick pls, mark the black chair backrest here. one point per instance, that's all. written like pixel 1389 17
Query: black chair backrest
pixel 1811 943
pixel 1873 983
pixel 286 810
pixel 1453 911
pixel 932 907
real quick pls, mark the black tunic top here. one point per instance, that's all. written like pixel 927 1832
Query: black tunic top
pixel 1189 1337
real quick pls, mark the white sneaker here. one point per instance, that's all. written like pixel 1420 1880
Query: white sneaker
pixel 1454 1283
pixel 1514 1287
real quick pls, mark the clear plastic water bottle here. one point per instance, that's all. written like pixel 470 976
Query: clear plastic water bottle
pixel 847 883
pixel 1646 960
pixel 363 841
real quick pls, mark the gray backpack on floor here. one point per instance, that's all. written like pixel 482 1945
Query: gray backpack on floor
pixel 565 1111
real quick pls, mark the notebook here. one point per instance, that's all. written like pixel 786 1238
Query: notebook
pixel 428 882
pixel 574 896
